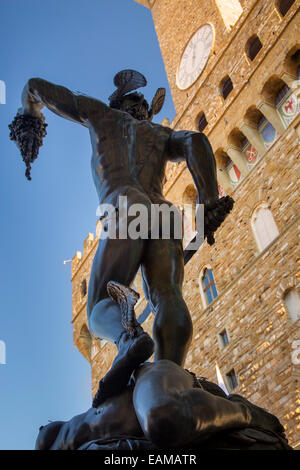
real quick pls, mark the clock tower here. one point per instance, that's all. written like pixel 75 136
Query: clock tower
pixel 192 36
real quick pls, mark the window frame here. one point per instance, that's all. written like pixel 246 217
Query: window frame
pixel 204 297
pixel 249 44
pixel 220 338
pixel 277 6
pixel 83 283
pixel 229 381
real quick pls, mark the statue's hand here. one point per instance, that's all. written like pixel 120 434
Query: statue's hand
pixel 28 131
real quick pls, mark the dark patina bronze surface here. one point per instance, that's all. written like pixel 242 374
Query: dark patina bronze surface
pixel 143 405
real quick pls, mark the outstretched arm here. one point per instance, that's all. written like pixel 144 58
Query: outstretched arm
pixel 195 149
pixel 38 93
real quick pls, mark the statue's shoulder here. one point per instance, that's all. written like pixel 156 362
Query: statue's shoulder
pixel 93 106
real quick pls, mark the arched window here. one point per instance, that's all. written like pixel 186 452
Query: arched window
pixel 264 227
pixel 267 132
pixel 276 92
pixel 201 122
pixel 292 303
pixel 284 6
pixel 253 46
pixel 229 168
pixel 189 201
pixel 85 342
pixel 226 87
pixel 83 288
pixel 230 11
pixel 249 153
pixel 208 287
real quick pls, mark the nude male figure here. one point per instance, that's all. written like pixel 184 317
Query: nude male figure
pixel 129 156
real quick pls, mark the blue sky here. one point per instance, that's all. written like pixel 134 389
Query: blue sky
pixel 80 44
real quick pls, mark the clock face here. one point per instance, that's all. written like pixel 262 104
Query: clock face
pixel 195 56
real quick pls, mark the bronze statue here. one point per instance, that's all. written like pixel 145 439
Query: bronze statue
pixel 165 406
pixel 129 156
pixel 161 408
pixel 142 405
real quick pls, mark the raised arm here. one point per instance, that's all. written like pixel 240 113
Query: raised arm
pixel 38 93
pixel 195 149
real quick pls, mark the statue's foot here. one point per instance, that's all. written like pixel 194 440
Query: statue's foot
pixel 132 353
pixel 126 298
pixel 260 418
pixel 135 346
pixel 215 215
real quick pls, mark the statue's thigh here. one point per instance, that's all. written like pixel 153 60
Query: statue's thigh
pixel 163 265
pixel 115 260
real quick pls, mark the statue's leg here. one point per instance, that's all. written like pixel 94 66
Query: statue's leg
pixel 116 260
pixel 172 413
pixel 163 272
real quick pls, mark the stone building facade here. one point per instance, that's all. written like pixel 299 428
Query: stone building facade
pixel 243 292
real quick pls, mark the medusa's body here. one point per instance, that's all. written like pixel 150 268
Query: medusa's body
pixel 163 406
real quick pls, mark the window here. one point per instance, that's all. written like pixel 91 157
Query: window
pixel 284 6
pixel 231 379
pixel 292 303
pixel 83 288
pixel 268 132
pixel 226 87
pixel 209 286
pixel 264 227
pixel 202 122
pixel 189 200
pixel 253 46
pixel 230 11
pixel 85 342
pixel 223 338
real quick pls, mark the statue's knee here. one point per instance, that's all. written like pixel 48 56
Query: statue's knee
pixel 165 294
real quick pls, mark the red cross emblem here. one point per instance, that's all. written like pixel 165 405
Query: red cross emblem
pixel 221 191
pixel 289 106
pixel 251 154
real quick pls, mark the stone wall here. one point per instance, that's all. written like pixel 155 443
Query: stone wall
pixel 250 283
